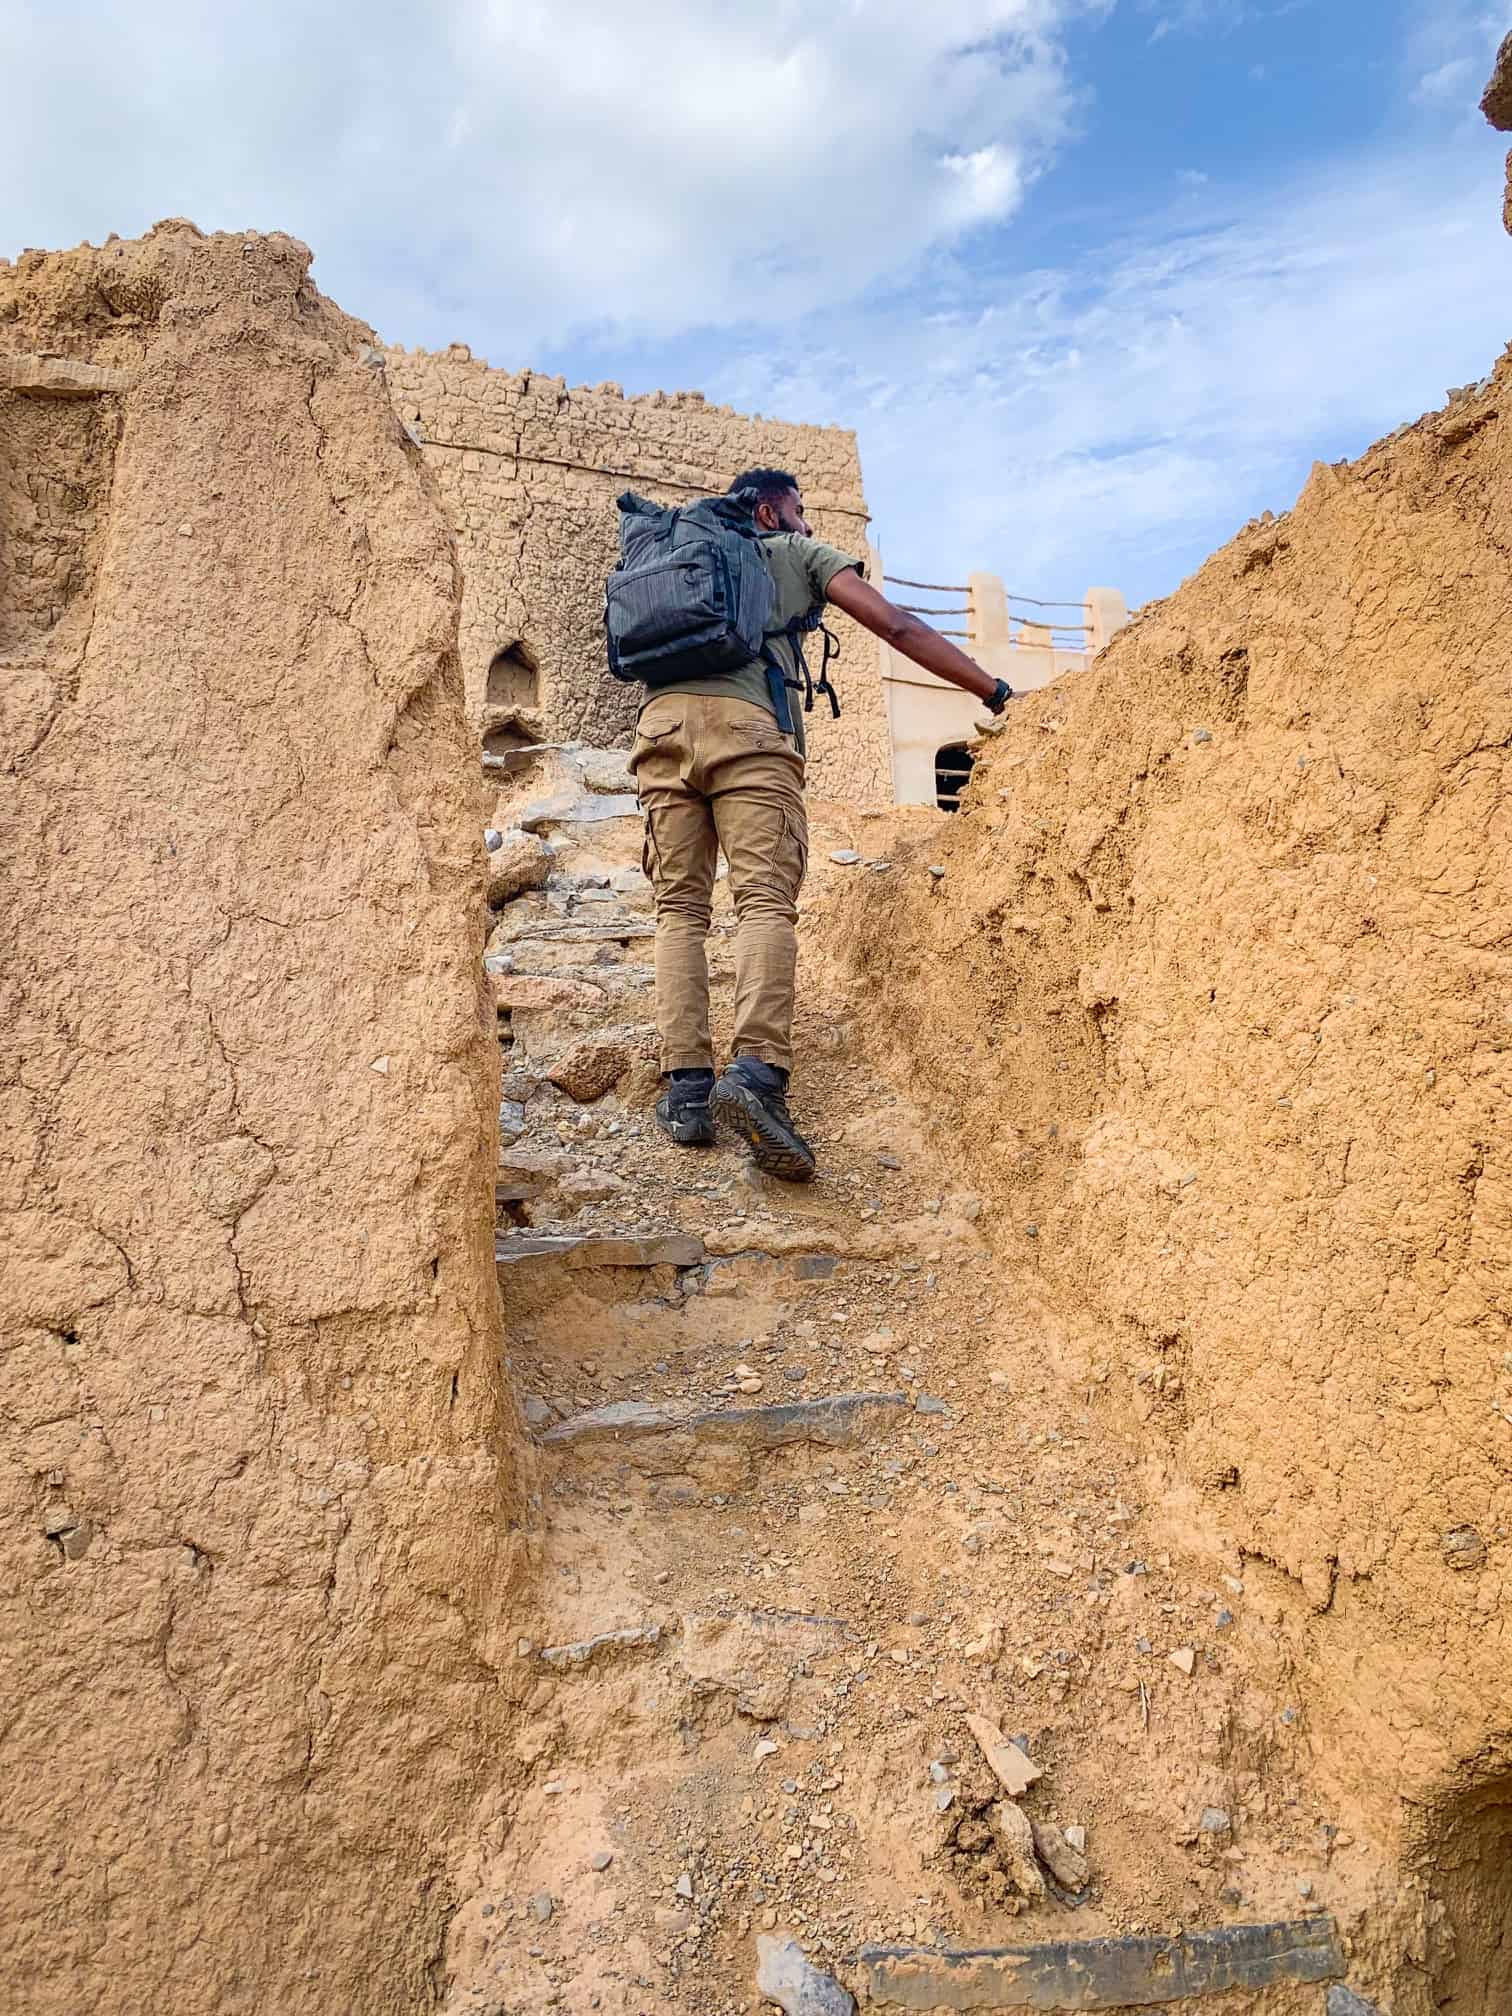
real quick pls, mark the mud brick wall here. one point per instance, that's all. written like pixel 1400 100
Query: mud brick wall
pixel 528 469
pixel 258 1515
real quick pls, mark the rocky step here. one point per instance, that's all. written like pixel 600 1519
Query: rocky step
pixel 1118 1973
pixel 838 1420
pixel 683 1453
pixel 596 1249
pixel 597 930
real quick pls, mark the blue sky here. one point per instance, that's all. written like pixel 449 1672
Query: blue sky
pixel 1094 280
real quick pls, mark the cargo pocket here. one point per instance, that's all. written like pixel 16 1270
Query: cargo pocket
pixel 658 724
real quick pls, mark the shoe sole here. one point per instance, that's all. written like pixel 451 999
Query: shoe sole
pixel 741 1115
pixel 688 1133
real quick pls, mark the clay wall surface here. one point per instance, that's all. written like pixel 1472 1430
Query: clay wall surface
pixel 256 1541
pixel 1214 1000
pixel 529 468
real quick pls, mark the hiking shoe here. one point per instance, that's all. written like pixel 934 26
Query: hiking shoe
pixel 750 1105
pixel 683 1109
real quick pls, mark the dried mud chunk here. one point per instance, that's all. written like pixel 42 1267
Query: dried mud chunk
pixel 1014 1835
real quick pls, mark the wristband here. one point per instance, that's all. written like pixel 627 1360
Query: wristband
pixel 1002 693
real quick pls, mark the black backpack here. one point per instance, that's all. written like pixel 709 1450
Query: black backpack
pixel 693 597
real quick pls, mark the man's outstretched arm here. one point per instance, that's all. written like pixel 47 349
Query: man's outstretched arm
pixel 915 639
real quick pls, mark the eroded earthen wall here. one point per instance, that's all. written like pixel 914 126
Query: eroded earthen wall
pixel 1215 1000
pixel 255 1499
pixel 529 470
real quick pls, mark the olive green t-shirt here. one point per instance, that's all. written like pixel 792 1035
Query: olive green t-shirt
pixel 802 570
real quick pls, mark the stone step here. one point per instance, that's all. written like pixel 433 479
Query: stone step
pixel 710 1448
pixel 598 1249
pixel 589 809
pixel 1077 1974
pixel 531 930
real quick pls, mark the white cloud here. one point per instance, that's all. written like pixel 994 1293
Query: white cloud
pixel 549 165
pixel 1115 421
pixel 1187 16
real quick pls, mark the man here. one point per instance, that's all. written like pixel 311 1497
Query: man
pixel 714 770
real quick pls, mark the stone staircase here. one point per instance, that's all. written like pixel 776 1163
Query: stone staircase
pixel 834 1552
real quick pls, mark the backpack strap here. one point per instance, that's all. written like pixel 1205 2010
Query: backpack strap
pixel 795 631
pixel 777 685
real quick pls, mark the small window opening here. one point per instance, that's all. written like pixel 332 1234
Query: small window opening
pixel 514 678
pixel 953 766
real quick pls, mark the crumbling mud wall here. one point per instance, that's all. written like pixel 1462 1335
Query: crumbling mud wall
pixel 529 469
pixel 1213 997
pixel 256 1506
pixel 1496 103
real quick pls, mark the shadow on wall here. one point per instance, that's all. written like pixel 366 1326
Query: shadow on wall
pixel 1472 1845
pixel 514 677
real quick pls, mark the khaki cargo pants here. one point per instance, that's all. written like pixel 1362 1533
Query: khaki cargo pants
pixel 712 774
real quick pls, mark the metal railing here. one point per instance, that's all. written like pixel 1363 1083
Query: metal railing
pixel 1061 636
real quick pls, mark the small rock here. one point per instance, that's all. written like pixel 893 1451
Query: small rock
pixel 1066 1864
pixel 845 857
pixel 786 1976
pixel 538 1413
pixel 1202 735
pixel 1015 1843
pixel 381 1066
pixel 685 1887
pixel 493 839
pixel 601 1861
pixel 541 1906
pixel 888 1162
pixel 1013 1770
pixel 1184 1659
pixel 927 1404
pixel 1343 2001
pixel 521 861
pixel 1216 1821
pixel 76 1540
pixel 1463 1548
pixel 590 1068
pixel 1076 1837
pixel 937 872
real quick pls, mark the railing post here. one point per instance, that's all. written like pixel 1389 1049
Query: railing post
pixel 1107 612
pixel 988 621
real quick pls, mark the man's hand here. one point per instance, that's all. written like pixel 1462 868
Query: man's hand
pixel 915 639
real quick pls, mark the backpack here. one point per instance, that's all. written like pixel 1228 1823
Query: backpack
pixel 693 597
